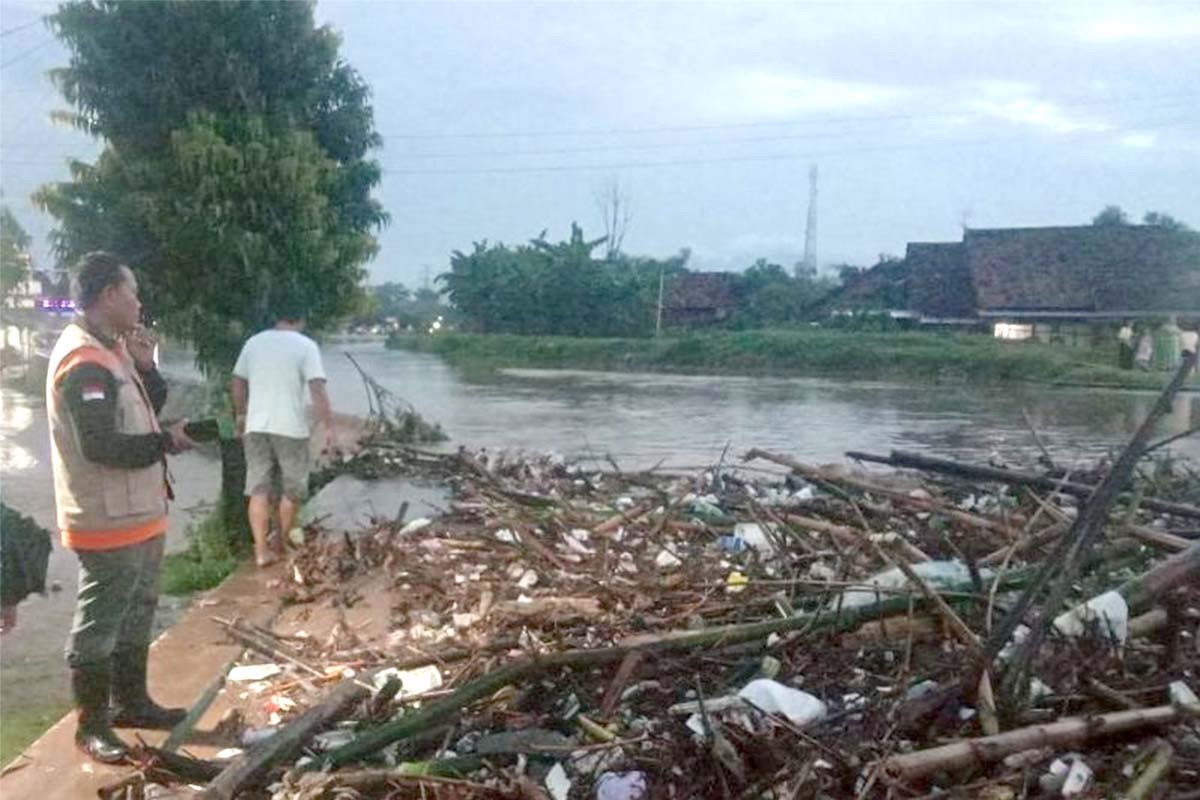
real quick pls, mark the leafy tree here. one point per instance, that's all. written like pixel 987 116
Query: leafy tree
pixel 1161 220
pixel 236 161
pixel 768 295
pixel 544 287
pixel 1111 215
pixel 391 296
pixel 14 252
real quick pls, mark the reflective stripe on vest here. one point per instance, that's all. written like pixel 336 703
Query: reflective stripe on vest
pixel 102 507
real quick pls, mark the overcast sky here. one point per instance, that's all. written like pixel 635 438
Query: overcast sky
pixel 501 120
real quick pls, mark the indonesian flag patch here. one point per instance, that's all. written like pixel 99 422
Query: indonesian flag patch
pixel 92 392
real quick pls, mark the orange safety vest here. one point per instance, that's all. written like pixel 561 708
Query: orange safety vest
pixel 100 507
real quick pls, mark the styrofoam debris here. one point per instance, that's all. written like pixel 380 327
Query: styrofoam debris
pixel 412 681
pixel 666 560
pixel 253 672
pixel 1107 614
pixel 801 708
pixel 558 783
pixel 417 524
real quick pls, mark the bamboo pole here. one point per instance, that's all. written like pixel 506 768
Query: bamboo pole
pixel 1068 732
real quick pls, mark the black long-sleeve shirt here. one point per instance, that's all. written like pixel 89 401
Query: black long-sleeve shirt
pixel 90 393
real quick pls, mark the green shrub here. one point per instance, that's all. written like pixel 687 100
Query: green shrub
pixel 211 556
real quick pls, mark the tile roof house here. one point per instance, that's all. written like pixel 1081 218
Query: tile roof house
pixel 1085 272
pixel 699 298
pixel 1029 274
pixel 939 285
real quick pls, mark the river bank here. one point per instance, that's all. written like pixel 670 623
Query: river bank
pixel 941 357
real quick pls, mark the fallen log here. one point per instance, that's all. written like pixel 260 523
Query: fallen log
pixel 985 750
pixel 253 765
pixel 899 458
pixel 919 503
pixel 1144 590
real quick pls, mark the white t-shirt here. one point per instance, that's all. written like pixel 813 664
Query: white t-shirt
pixel 278 365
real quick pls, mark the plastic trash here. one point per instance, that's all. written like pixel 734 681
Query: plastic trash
pixel 666 560
pixel 772 697
pixel 935 573
pixel 1079 779
pixel 732 544
pixel 736 582
pixel 253 736
pixel 1106 614
pixel 412 681
pixel 528 579
pixel 507 536
pixel 417 524
pixel 1182 696
pixel 706 509
pixel 622 786
pixel 755 536
pixel 253 672
pixel 558 783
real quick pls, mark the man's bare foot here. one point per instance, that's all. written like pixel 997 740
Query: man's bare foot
pixel 266 561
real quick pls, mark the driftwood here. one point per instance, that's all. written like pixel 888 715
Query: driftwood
pixel 1068 732
pixel 1142 592
pixel 821 476
pixel 721 636
pixel 253 765
pixel 899 458
pixel 1067 558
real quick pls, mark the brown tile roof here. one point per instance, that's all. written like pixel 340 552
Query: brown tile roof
pixel 939 284
pixel 1112 269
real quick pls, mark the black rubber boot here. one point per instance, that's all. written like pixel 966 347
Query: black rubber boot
pixel 91 684
pixel 132 706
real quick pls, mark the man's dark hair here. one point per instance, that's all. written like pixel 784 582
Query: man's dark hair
pixel 288 306
pixel 97 271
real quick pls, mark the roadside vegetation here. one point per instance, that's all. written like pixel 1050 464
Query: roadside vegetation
pixel 944 357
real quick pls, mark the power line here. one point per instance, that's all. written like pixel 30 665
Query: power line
pixel 745 125
pixel 23 26
pixel 26 53
pixel 762 158
pixel 1151 125
pixel 811 135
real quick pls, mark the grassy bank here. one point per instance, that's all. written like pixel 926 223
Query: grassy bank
pixel 913 356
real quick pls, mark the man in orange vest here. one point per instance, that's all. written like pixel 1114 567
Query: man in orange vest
pixel 108 453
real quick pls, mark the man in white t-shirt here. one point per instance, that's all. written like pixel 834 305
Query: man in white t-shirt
pixel 276 373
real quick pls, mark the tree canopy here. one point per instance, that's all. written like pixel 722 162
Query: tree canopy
pixel 561 288
pixel 14 252
pixel 236 162
pixel 1111 215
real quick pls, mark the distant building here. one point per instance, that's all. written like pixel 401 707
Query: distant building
pixel 1038 282
pixel 697 299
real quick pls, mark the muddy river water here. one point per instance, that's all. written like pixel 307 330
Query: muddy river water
pixel 638 419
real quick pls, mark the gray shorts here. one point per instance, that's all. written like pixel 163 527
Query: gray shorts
pixel 276 464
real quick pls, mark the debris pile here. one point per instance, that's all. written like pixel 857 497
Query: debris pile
pixel 817 632
pixel 771 630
